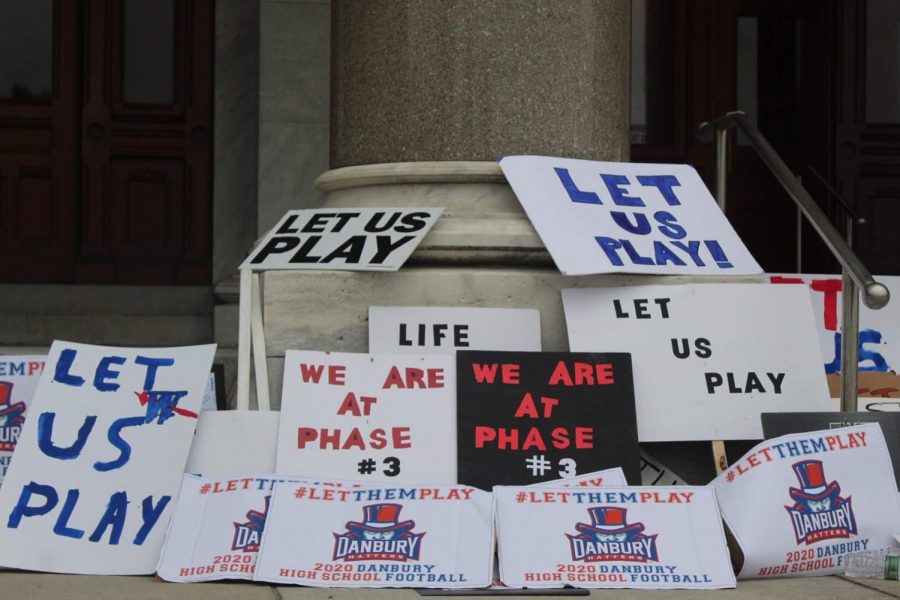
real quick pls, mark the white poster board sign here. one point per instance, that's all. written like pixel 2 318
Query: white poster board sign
pixel 436 330
pixel 348 239
pixel 19 376
pixel 708 358
pixel 607 217
pixel 101 455
pixel 878 342
pixel 627 537
pixel 374 417
pixel 234 441
pixel 798 503
pixel 422 537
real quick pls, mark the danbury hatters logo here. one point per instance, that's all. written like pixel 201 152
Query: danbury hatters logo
pixel 609 537
pixel 819 512
pixel 380 536
pixel 248 534
pixel 12 415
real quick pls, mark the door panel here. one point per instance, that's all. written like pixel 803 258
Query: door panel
pixel 105 121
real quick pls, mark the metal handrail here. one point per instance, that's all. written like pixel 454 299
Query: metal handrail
pixel 856 277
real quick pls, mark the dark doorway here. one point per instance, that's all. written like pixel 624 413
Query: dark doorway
pixel 780 62
pixel 105 141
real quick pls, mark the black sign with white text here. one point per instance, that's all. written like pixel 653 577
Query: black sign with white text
pixel 527 417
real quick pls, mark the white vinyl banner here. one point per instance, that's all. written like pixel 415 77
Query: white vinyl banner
pixel 374 417
pixel 417 536
pixel 19 376
pixel 607 217
pixel 605 478
pixel 626 537
pixel 348 239
pixel 798 503
pixel 100 458
pixel 878 342
pixel 435 330
pixel 708 358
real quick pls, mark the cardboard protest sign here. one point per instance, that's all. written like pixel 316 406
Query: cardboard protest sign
pixel 526 417
pixel 100 457
pixel 19 376
pixel 798 503
pixel 217 526
pixel 385 417
pixel 234 441
pixel 778 424
pixel 607 477
pixel 607 217
pixel 429 537
pixel 709 358
pixel 879 334
pixel 349 239
pixel 626 537
pixel 434 330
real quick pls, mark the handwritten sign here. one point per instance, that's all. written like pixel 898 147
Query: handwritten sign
pixel 434 330
pixel 606 217
pixel 417 536
pixel 100 457
pixel 626 537
pixel 798 503
pixel 378 417
pixel 879 333
pixel 526 417
pixel 355 239
pixel 19 376
pixel 711 357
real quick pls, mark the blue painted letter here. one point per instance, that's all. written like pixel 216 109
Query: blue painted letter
pixel 45 433
pixel 150 515
pixel 22 509
pixel 575 194
pixel 116 440
pixel 114 516
pixel 62 375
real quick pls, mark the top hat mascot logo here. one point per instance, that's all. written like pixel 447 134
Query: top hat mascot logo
pixel 609 537
pixel 12 415
pixel 248 534
pixel 819 512
pixel 379 536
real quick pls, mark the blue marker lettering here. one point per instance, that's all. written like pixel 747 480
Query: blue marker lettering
pixel 61 527
pixel 150 515
pixel 45 433
pixel 104 374
pixel 152 365
pixel 114 516
pixel 116 440
pixel 614 184
pixel 641 225
pixel 22 508
pixel 575 195
pixel 664 183
pixel 62 375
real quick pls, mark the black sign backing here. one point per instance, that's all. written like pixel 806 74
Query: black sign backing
pixel 776 424
pixel 528 417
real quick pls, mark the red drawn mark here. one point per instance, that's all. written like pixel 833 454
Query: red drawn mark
pixel 144 398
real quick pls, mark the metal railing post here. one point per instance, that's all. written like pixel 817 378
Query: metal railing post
pixel 849 344
pixel 721 167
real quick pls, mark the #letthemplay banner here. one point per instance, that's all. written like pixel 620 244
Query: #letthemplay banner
pixel 100 457
pixel 626 537
pixel 349 239
pixel 709 358
pixel 435 330
pixel 606 217
pixel 798 503
pixel 378 417
pixel 526 417
pixel 416 536
pixel 19 376
pixel 878 341
pixel 216 528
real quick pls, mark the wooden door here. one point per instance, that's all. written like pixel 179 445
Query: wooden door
pixel 105 177
pixel 146 135
pixel 38 139
pixel 769 58
pixel 867 145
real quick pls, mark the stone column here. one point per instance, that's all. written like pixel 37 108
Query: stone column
pixel 463 80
